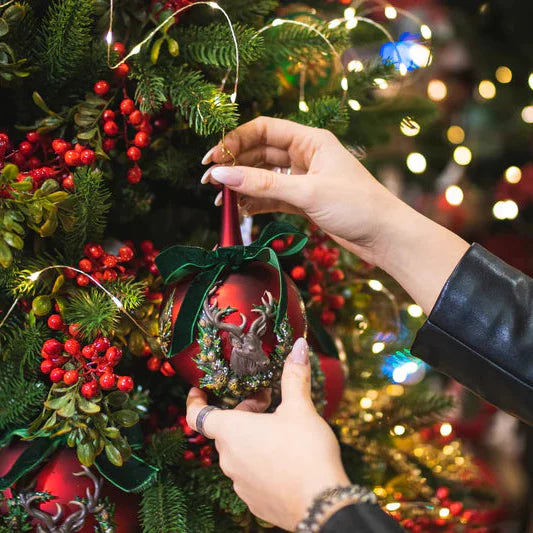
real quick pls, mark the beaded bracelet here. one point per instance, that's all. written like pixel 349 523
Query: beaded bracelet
pixel 317 512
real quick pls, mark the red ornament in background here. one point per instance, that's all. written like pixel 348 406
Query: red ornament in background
pixel 241 290
pixel 334 382
pixel 56 477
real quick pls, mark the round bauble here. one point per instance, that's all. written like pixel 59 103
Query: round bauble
pixel 56 477
pixel 237 350
pixel 334 382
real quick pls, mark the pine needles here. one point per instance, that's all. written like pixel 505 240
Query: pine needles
pixel 163 509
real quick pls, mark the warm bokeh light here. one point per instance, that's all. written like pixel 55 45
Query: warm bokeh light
pixel 513 174
pixel 530 80
pixel 409 127
pixel 444 512
pixel 375 285
pixel 416 163
pixel 349 13
pixel 303 106
pixel 381 83
pixel 437 90
pixel 420 55
pixel 355 66
pixel 378 347
pixel 527 114
pixel 393 506
pixel 399 430
pixel 425 31
pixel 487 89
pixel 454 195
pixel 366 403
pixel 455 134
pixel 414 310
pixel 446 429
pixel 390 12
pixel 462 155
pixel 505 210
pixel 335 23
pixel 504 74
pixel 354 104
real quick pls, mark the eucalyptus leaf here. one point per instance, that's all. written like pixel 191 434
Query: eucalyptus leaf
pixel 126 418
pixel 86 453
pixel 113 455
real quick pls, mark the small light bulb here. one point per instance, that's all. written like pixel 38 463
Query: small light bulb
pixel 437 90
pixel 399 375
pixel 454 195
pixel 214 5
pixel 416 163
pixel 354 104
pixel 455 134
pixel 420 55
pixel 349 13
pixel 303 106
pixel 409 127
pixel 402 69
pixel 135 50
pixel 394 506
pixel 335 23
pixel 530 81
pixel 366 403
pixel 462 155
pixel 399 430
pixel 487 89
pixel 352 23
pixel 513 174
pixel 117 302
pixel 446 429
pixel 34 276
pixel 444 512
pixel 375 285
pixel 109 37
pixel 425 31
pixel 355 66
pixel 415 310
pixel 378 347
pixel 527 114
pixel 277 22
pixel 504 74
pixel 381 83
pixel 344 83
pixel 233 97
pixel 390 12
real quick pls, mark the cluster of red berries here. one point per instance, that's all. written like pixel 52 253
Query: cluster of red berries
pixel 198 448
pixel 158 7
pixel 40 158
pixel 106 267
pixel 93 363
pixel 321 274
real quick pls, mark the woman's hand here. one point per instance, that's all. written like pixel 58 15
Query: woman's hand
pixel 326 183
pixel 337 193
pixel 278 462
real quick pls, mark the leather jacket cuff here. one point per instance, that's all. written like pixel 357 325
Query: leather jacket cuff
pixel 361 517
pixel 480 332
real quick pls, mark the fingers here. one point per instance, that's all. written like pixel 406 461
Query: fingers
pixel 255 206
pixel 268 131
pixel 296 377
pixel 196 401
pixel 256 403
pixel 264 155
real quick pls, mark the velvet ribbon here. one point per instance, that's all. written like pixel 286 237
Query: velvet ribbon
pixel 209 267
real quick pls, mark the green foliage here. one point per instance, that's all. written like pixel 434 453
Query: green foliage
pixel 246 11
pixel 213 44
pixel 130 292
pixel 166 448
pixel 91 206
pixel 151 91
pixel 64 39
pixel 163 509
pixel 23 347
pixel 326 112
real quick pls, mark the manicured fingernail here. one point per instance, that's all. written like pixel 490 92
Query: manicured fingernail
pixel 218 199
pixel 205 177
pixel 300 352
pixel 208 157
pixel 228 176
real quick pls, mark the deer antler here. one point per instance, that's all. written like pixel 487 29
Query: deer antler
pixel 29 502
pixel 214 316
pixel 258 326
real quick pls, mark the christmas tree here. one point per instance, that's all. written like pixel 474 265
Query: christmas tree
pixel 106 113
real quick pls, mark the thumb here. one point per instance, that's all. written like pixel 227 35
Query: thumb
pixel 262 183
pixel 296 377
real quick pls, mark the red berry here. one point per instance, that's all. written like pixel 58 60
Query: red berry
pixel 26 148
pixel 52 347
pixel 146 247
pixel 206 461
pixel 72 158
pixel 107 381
pixel 79 148
pixel 188 455
pixel 119 48
pixel 134 174
pixel 85 265
pixel 141 139
pixel 145 126
pixel 68 183
pixel 298 273
pixel 18 159
pixel 125 253
pixel 87 157
pixel 456 508
pixel 72 347
pixel 167 370
pixel 127 106
pixel 101 344
pixel 111 128
pixel 71 377
pixel 33 136
pixel 96 251
pixel 46 366
pixel 154 364
pixel 110 275
pixel 336 301
pixel 122 70
pixel 442 493
pixel 90 389
pixel 135 118
pixel 101 87
pixel 110 261
pixel 315 289
pixel 113 355
pixel 134 153
pixel 55 322
pixel 88 351
pixel 82 280
pixel 108 144
pixel 336 275
pixel 108 114
pixel 327 317
pixel 74 330
pixel 125 384
pixel 206 451
pixel 278 245
pixel 56 375
pixel 60 146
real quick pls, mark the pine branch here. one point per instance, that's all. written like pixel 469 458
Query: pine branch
pixel 251 12
pixel 166 448
pixel 23 347
pixel 163 509
pixel 172 165
pixel 129 291
pixel 327 112
pixel 213 44
pixel 416 410
pixel 65 38
pixel 151 91
pixel 91 206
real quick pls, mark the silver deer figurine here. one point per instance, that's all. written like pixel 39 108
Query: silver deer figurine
pixel 247 355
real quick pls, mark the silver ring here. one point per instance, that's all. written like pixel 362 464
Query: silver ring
pixel 200 418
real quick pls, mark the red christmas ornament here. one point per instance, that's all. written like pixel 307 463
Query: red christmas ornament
pixel 56 476
pixel 333 385
pixel 241 290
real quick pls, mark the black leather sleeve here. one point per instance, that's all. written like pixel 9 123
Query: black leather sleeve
pixel 361 518
pixel 480 332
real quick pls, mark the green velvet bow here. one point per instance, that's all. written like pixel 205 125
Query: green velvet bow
pixel 176 262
